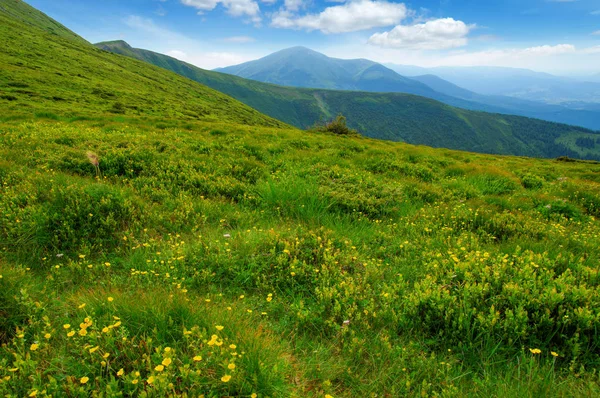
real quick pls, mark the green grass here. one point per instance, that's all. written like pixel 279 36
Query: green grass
pixel 447 265
pixel 246 257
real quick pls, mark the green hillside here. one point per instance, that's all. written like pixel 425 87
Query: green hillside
pixel 158 255
pixel 391 116
pixel 26 15
pixel 38 75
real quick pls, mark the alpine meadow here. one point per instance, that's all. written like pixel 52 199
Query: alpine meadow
pixel 206 235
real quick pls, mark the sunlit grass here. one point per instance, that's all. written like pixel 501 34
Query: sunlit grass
pixel 339 266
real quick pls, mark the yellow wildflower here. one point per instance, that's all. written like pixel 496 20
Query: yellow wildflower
pixel 231 366
pixel 159 368
pixel 167 349
pixel 110 299
pixel 83 332
pixel 93 350
pixel 120 372
pixel 81 306
pixel 167 361
pixel 134 381
pixel 33 393
pixel 535 350
pixel 554 354
pixel 84 379
pixel 197 358
pixel 225 378
pixel 106 355
pixel 47 336
pixel 66 326
pixel 219 327
pixel 151 379
pixel 105 330
pixel 71 333
pixel 34 347
pixel 232 346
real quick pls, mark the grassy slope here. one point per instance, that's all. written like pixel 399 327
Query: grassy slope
pixel 208 250
pixel 392 116
pixel 40 76
pixel 449 266
pixel 31 17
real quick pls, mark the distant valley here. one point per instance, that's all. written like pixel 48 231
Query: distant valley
pixel 497 90
pixel 391 116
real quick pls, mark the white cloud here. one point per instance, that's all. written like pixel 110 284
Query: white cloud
pixel 545 51
pixel 238 39
pixel 350 17
pixel 145 33
pixel 597 12
pixel 236 8
pixel 596 33
pixel 438 34
pixel 206 5
pixel 180 55
pixel 293 5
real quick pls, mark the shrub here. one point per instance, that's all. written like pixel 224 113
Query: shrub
pixel 560 208
pixel 337 126
pixel 117 107
pixel 531 181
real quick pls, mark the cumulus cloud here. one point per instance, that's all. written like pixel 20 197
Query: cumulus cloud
pixel 349 17
pixel 236 8
pixel 437 34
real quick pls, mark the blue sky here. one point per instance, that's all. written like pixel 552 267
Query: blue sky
pixel 557 36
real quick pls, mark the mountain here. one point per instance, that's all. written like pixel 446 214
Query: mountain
pixel 98 83
pixel 514 82
pixel 302 67
pixel 582 114
pixel 391 116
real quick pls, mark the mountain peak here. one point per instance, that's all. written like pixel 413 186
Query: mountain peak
pixel 113 44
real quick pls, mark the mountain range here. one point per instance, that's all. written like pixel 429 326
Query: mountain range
pixel 392 116
pixel 302 67
pixel 514 82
